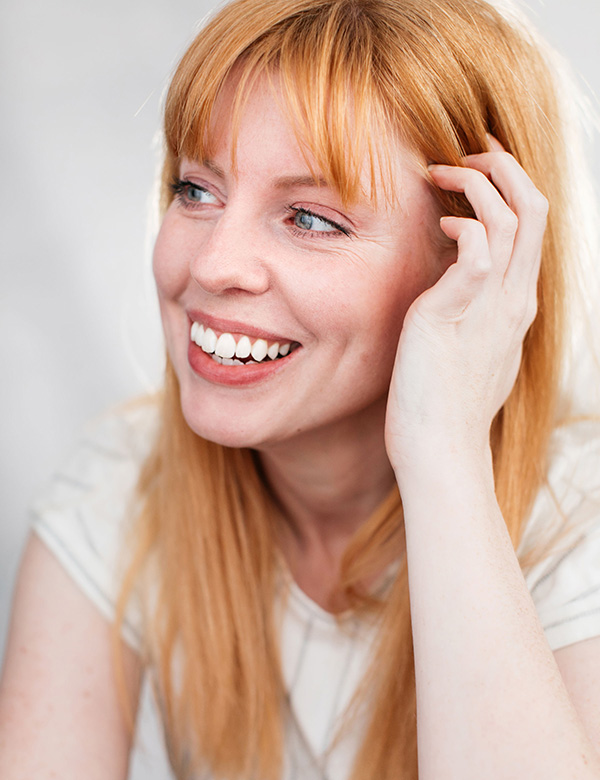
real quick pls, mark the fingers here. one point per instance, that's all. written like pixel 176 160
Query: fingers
pixel 494 144
pixel 463 279
pixel 512 209
pixel 525 201
pixel 511 216
pixel 492 211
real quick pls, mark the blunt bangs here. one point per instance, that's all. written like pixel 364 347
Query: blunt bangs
pixel 326 77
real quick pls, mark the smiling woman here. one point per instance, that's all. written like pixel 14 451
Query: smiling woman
pixel 353 538
pixel 259 254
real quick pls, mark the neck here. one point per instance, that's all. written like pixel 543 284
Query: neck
pixel 327 483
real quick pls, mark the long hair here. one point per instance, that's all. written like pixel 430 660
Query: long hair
pixel 439 75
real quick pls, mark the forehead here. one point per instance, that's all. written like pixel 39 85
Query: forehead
pixel 258 122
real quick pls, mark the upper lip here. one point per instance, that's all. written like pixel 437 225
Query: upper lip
pixel 232 326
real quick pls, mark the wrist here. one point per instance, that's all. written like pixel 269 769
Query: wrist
pixel 443 464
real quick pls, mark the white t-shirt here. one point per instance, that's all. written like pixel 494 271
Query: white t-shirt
pixel 83 516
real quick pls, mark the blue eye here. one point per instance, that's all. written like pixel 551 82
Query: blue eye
pixel 308 222
pixel 199 194
pixel 190 194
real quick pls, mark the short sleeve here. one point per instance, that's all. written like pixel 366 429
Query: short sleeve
pixel 565 585
pixel 84 514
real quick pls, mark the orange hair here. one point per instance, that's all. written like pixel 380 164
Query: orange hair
pixel 440 74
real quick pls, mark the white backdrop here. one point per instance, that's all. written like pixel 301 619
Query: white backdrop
pixel 80 86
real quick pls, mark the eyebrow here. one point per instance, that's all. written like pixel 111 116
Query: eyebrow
pixel 212 166
pixel 281 183
pixel 288 182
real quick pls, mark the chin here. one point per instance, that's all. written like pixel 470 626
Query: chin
pixel 222 428
pixel 226 438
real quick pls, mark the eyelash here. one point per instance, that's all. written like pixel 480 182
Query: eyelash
pixel 295 210
pixel 179 188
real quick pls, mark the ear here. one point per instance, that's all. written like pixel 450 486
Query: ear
pixel 446 254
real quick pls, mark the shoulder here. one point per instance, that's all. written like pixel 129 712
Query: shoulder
pixel 118 439
pixel 564 531
pixel 103 467
pixel 85 511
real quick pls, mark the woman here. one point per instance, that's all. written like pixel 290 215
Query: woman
pixel 362 277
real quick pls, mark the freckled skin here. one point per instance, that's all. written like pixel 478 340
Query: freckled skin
pixel 241 255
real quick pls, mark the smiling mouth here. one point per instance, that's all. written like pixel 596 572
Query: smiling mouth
pixel 238 350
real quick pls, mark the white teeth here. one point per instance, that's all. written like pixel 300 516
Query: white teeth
pixel 244 347
pixel 209 340
pixel 259 350
pixel 199 335
pixel 226 361
pixel 225 346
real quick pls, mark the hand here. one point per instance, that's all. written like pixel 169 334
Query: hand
pixel 460 347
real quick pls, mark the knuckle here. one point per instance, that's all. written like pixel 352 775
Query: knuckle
pixel 474 234
pixel 515 302
pixel 531 310
pixel 481 265
pixel 480 270
pixel 501 161
pixel 474 180
pixel 539 205
pixel 534 204
pixel 508 224
pixel 474 246
pixel 522 311
pixel 501 157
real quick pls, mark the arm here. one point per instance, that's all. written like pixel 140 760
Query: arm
pixel 60 714
pixel 578 665
pixel 491 700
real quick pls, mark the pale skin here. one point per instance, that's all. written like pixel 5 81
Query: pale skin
pixel 493 701
pixel 493 704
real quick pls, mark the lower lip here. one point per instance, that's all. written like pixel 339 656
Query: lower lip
pixel 203 364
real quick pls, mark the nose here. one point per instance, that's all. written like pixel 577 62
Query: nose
pixel 229 258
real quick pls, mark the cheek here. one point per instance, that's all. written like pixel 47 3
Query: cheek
pixel 409 276
pixel 419 256
pixel 169 262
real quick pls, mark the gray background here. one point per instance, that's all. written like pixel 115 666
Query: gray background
pixel 80 89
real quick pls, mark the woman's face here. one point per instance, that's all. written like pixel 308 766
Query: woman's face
pixel 261 255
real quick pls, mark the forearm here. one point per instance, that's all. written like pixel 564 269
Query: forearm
pixel 490 699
